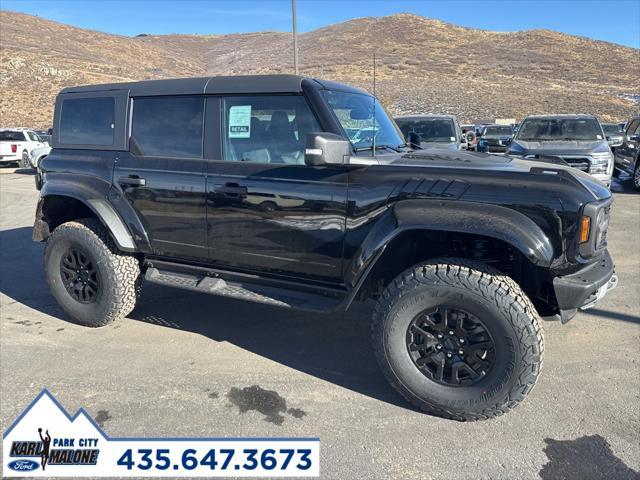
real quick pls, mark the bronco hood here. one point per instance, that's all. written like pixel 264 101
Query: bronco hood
pixel 496 163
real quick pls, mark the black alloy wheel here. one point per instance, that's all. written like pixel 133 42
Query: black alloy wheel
pixel 79 275
pixel 450 346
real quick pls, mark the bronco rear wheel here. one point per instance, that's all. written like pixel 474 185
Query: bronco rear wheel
pixel 91 280
pixel 458 339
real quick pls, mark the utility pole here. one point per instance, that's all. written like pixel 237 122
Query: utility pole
pixel 295 37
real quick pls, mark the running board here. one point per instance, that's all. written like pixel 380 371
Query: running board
pixel 254 292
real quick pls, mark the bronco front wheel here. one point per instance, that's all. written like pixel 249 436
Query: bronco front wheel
pixel 91 280
pixel 458 339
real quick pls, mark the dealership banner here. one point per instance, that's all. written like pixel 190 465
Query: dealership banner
pixel 45 441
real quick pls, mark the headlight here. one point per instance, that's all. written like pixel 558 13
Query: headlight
pixel 602 223
pixel 600 162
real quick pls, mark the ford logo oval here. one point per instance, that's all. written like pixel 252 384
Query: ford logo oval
pixel 23 465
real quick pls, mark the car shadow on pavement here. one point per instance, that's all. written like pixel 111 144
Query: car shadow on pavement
pixel 583 458
pixel 613 315
pixel 334 348
pixel 21 272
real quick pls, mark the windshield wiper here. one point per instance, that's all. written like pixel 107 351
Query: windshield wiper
pixel 377 147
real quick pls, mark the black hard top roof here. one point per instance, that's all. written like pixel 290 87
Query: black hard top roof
pixel 224 85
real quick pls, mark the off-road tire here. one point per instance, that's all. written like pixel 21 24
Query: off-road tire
pixel 118 273
pixel 492 296
pixel 24 160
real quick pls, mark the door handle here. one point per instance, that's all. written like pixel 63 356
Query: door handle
pixel 132 181
pixel 232 190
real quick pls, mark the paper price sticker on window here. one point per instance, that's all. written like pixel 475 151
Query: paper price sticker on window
pixel 240 121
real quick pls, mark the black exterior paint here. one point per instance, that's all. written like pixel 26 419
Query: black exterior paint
pixel 323 226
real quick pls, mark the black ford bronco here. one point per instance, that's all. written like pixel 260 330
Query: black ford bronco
pixel 301 193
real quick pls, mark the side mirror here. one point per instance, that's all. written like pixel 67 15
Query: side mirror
pixel 414 140
pixel 326 149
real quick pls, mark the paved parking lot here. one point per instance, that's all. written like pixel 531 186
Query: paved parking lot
pixel 187 364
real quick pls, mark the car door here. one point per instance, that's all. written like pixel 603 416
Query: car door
pixel 163 176
pixel 267 210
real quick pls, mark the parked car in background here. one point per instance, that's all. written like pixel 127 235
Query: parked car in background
pixel 627 154
pixel 614 134
pixel 44 135
pixel 435 131
pixel 16 145
pixel 495 138
pixel 577 140
pixel 37 154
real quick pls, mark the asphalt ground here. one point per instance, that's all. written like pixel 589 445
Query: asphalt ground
pixel 186 365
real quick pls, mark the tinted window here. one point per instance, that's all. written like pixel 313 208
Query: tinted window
pixel 167 126
pixel 87 121
pixel 267 128
pixel 11 136
pixel 438 130
pixel 498 131
pixel 611 128
pixel 541 129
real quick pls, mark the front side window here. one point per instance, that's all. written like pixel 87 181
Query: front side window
pixel 431 130
pixel 545 129
pixel 87 121
pixel 267 128
pixel 167 126
pixel 363 120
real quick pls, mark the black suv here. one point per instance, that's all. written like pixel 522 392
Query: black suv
pixel 627 155
pixel 300 193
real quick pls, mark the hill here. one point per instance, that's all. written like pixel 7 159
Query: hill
pixel 423 65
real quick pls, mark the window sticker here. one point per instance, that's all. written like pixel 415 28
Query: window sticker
pixel 453 139
pixel 599 137
pixel 240 121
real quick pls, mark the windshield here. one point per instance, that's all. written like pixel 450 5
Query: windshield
pixel 541 129
pixel 611 128
pixel 355 112
pixel 11 136
pixel 498 131
pixel 438 130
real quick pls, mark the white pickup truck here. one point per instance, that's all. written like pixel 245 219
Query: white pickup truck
pixel 16 145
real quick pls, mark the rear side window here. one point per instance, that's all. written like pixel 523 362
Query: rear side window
pixel 167 126
pixel 87 121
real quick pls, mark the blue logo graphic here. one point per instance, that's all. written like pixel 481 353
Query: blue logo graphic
pixel 23 465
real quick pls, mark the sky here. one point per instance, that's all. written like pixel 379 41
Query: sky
pixel 616 21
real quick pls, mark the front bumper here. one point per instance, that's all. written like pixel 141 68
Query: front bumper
pixel 586 287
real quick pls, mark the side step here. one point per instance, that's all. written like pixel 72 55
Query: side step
pixel 242 290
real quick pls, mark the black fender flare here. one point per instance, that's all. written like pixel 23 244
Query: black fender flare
pixel 493 221
pixel 99 196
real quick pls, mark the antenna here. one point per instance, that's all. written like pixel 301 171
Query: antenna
pixel 373 147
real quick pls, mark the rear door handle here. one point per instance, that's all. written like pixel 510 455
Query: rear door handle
pixel 132 181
